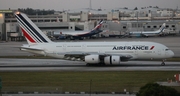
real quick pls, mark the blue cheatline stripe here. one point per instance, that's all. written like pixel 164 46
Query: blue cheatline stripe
pixel 27 28
pixel 162 28
pixel 32 28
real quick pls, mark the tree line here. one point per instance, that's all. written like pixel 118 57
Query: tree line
pixel 31 11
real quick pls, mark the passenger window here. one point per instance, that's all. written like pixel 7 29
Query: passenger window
pixel 148 26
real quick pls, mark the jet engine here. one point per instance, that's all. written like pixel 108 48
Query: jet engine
pixel 109 60
pixel 92 59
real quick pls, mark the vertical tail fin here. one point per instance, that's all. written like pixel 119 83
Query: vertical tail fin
pixel 99 25
pixel 31 32
pixel 162 28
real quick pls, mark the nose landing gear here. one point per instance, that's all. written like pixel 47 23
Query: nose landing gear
pixel 163 62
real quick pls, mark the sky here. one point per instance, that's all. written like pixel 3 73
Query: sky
pixel 59 5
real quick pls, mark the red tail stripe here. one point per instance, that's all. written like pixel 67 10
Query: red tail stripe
pixel 27 36
pixel 98 26
pixel 152 47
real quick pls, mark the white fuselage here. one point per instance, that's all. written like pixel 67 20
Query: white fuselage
pixel 147 33
pixel 73 33
pixel 138 50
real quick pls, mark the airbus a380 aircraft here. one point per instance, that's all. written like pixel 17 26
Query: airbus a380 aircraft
pixel 90 52
pixel 148 33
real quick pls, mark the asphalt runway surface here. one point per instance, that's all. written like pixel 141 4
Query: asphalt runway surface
pixel 63 65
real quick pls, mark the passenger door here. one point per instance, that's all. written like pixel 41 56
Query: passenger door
pixel 159 52
pixel 64 47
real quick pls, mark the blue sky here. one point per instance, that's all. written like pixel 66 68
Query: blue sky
pixel 60 5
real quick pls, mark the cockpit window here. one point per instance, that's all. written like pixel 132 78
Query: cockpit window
pixel 166 49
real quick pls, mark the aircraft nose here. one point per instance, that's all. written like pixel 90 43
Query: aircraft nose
pixel 171 53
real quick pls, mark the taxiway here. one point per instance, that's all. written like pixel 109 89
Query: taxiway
pixel 63 65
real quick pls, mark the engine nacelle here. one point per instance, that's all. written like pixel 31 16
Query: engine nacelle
pixel 92 59
pixel 112 60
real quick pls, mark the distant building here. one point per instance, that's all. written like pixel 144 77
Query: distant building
pixel 118 20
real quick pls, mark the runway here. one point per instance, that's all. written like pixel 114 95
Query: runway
pixel 63 65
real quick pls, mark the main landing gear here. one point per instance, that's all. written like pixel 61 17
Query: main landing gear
pixel 163 63
pixel 99 64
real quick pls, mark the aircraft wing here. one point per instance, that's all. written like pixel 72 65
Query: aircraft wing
pixel 144 35
pixel 81 55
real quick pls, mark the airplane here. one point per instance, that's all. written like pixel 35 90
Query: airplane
pixel 148 33
pixel 92 53
pixel 79 34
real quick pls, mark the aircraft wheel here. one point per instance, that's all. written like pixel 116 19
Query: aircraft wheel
pixel 72 38
pixel 81 38
pixel 87 64
pixel 101 64
pixel 163 64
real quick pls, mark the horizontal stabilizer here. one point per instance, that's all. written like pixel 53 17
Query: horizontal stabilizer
pixel 30 48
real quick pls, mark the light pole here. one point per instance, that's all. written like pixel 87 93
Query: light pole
pixel 89 16
pixel 137 21
pixel 0 86
pixel 90 87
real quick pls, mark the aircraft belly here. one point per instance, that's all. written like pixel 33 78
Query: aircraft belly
pixel 56 55
pixel 150 34
pixel 144 54
pixel 151 56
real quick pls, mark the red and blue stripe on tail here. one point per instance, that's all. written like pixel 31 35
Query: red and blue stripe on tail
pixel 31 32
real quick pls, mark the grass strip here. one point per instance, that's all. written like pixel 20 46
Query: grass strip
pixel 80 81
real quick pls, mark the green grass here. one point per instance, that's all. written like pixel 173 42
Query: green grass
pixel 80 81
pixel 174 59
